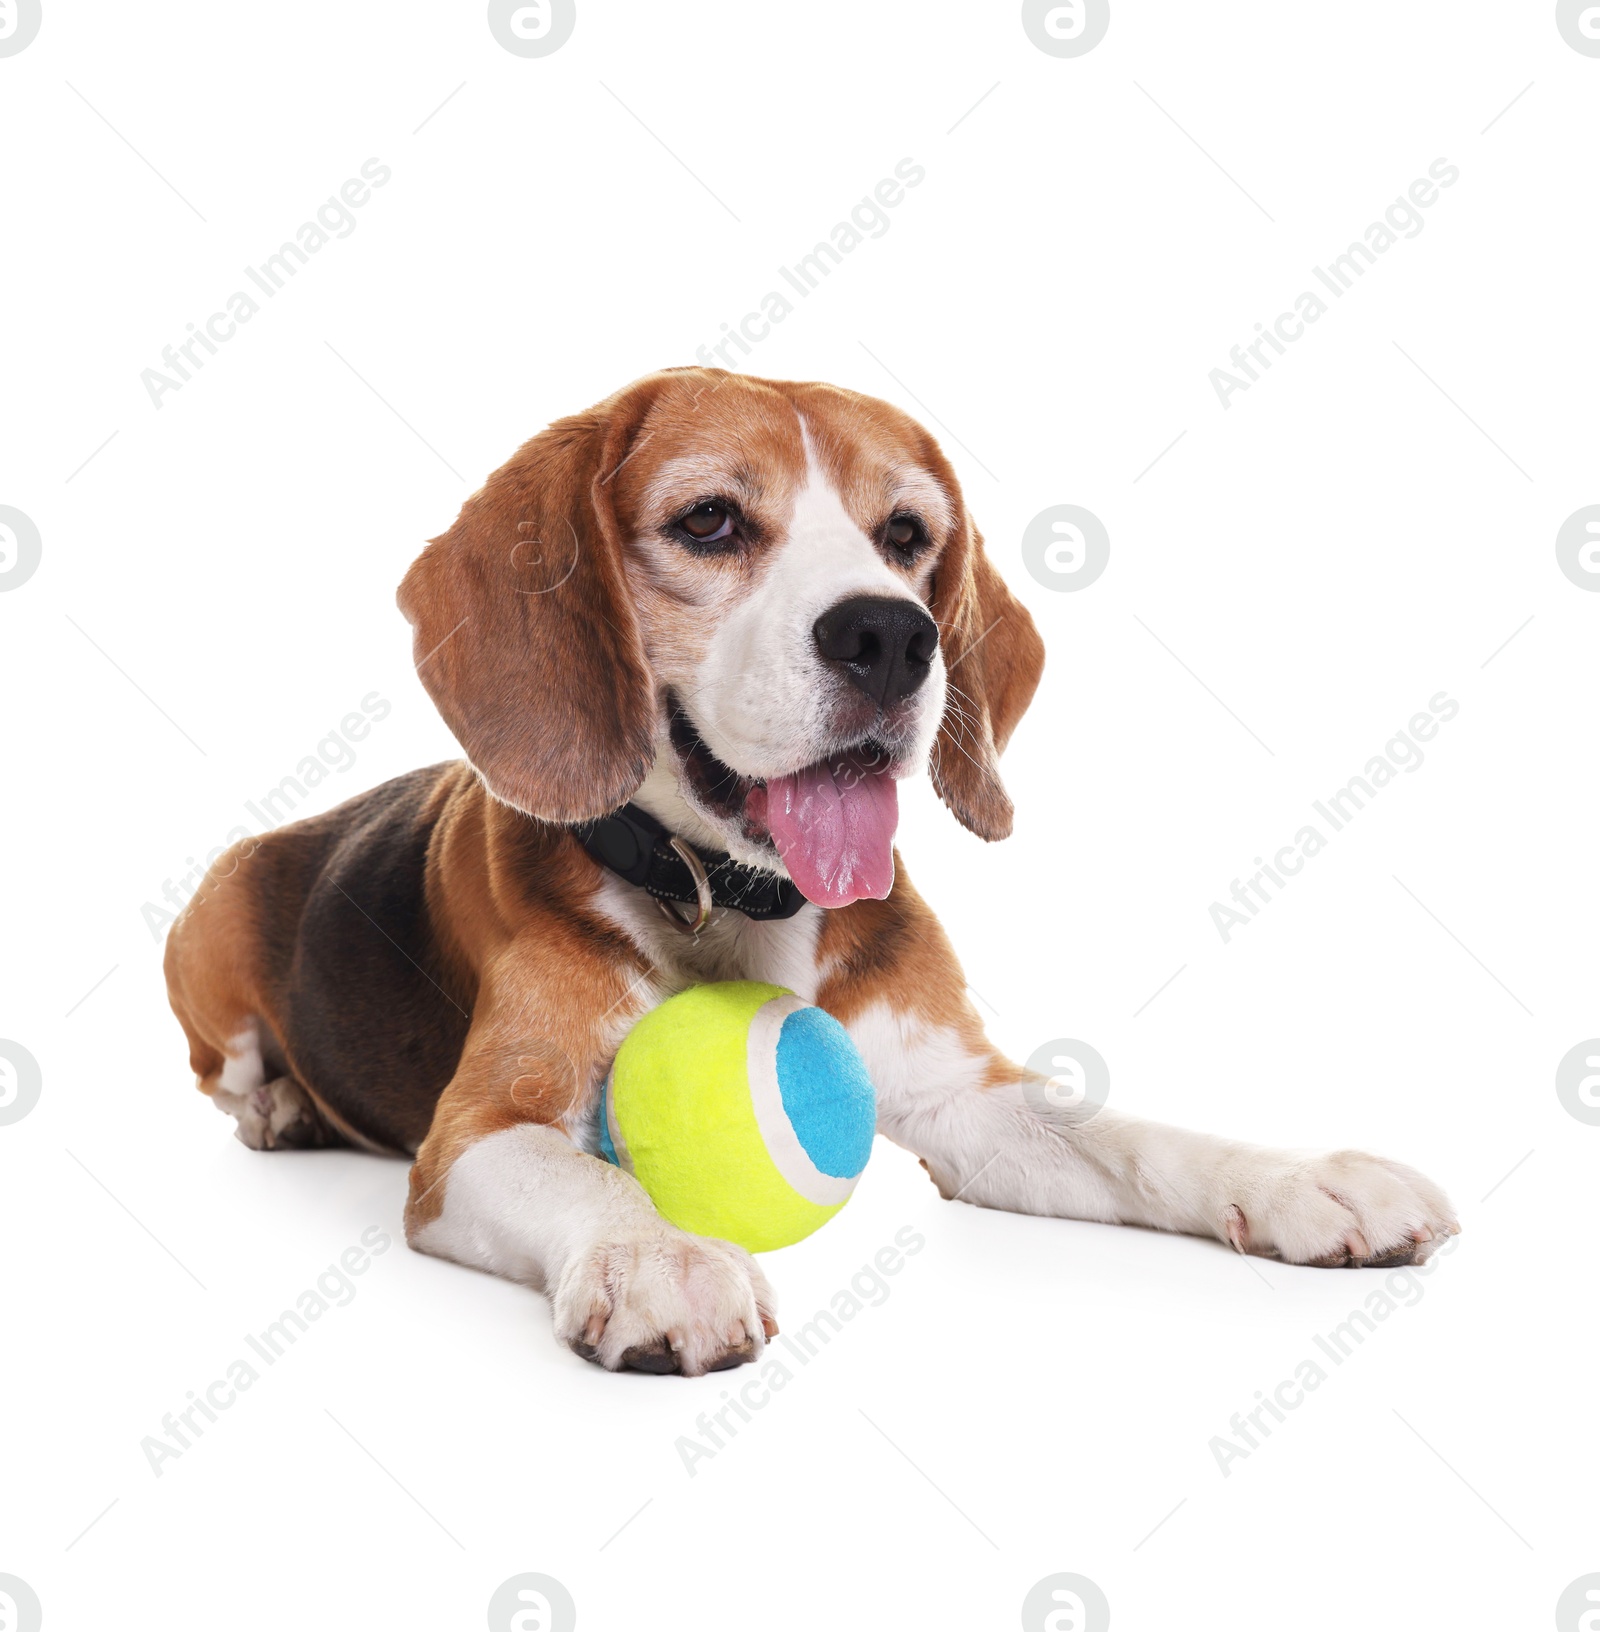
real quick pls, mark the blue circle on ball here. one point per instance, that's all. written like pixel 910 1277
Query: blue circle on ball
pixel 827 1094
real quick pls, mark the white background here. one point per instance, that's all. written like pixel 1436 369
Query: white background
pixel 1325 555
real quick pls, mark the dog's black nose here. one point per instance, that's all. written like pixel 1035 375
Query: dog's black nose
pixel 883 645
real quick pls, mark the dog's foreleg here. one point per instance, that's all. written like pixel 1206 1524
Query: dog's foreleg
pixel 500 1191
pixel 991 1133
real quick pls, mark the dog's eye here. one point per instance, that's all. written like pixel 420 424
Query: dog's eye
pixel 905 535
pixel 708 523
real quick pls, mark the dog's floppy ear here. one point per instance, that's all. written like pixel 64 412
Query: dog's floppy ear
pixel 525 635
pixel 994 658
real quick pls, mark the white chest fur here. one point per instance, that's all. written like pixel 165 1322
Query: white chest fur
pixel 730 947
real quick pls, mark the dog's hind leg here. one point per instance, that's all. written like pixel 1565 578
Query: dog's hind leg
pixel 273 1111
pixel 210 966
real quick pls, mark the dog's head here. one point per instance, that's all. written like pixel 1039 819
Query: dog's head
pixel 760 603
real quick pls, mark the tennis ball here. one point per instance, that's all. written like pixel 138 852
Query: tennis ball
pixel 744 1112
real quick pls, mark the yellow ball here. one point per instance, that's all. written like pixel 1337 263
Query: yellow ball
pixel 745 1113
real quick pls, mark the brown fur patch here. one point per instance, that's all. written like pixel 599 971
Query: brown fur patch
pixel 895 952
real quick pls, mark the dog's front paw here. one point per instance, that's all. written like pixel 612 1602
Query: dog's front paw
pixel 1335 1211
pixel 665 1301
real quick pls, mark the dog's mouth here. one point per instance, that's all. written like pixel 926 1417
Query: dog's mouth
pixel 831 822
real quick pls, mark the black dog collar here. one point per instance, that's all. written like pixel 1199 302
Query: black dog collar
pixel 635 846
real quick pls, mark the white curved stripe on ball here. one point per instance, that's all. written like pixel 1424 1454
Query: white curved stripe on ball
pixel 777 1132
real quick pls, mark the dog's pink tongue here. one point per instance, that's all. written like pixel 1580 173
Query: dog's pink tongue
pixel 833 824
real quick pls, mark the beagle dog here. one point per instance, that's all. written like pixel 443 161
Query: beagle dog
pixel 690 641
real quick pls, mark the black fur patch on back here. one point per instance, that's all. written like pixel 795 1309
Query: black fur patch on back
pixel 374 1023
